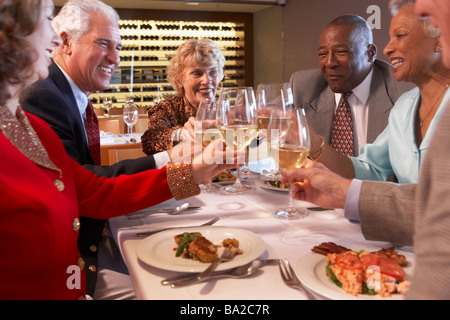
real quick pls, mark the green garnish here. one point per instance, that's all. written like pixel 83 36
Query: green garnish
pixel 187 238
pixel 278 184
pixel 332 276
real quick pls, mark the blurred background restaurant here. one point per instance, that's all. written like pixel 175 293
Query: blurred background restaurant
pixel 262 40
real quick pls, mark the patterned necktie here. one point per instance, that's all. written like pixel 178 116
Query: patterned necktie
pixel 93 133
pixel 342 134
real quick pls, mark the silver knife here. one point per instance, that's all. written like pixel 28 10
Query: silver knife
pixel 146 234
pixel 239 272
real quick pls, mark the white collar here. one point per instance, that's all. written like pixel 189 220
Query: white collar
pixel 361 92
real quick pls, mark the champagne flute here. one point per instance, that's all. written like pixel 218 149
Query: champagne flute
pixel 289 148
pixel 130 114
pixel 205 128
pixel 107 103
pixel 236 122
pixel 271 96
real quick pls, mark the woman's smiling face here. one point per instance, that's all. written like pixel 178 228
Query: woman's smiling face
pixel 410 51
pixel 43 40
pixel 200 81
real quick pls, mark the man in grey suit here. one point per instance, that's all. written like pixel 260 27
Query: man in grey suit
pixel 347 59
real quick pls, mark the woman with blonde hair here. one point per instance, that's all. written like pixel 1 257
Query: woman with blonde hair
pixel 194 72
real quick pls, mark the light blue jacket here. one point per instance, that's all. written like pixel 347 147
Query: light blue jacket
pixel 395 150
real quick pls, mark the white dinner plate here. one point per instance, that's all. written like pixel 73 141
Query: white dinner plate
pixel 311 272
pixel 158 250
pixel 266 185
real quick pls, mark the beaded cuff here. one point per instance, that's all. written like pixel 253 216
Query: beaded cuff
pixel 181 181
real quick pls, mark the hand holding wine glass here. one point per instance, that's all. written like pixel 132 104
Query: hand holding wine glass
pixel 130 114
pixel 289 148
pixel 236 121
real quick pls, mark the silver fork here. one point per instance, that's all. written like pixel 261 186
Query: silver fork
pixel 227 255
pixel 146 234
pixel 290 278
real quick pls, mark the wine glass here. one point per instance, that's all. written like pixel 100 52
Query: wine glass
pixel 107 103
pixel 271 96
pixel 130 114
pixel 289 145
pixel 205 128
pixel 236 121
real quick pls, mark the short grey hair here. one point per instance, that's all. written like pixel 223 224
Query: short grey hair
pixel 360 25
pixel 428 29
pixel 74 17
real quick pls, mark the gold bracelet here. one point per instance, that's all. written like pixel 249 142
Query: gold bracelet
pixel 314 156
pixel 181 180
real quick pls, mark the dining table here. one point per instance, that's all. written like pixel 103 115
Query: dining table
pixel 248 217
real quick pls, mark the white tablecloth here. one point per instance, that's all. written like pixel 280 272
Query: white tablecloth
pixel 290 239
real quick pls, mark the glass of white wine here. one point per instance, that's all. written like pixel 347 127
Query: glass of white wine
pixel 107 103
pixel 269 97
pixel 237 123
pixel 130 114
pixel 205 128
pixel 289 145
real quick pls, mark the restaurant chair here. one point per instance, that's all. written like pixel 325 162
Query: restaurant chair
pixel 115 153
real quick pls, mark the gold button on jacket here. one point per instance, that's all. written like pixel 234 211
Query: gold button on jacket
pixel 76 224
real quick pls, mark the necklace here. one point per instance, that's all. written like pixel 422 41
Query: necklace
pixel 422 120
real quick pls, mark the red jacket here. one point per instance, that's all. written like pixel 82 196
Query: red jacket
pixel 38 229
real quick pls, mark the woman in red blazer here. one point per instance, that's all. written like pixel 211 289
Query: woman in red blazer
pixel 42 190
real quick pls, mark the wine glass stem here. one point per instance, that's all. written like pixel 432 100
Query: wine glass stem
pixel 291 202
pixel 238 180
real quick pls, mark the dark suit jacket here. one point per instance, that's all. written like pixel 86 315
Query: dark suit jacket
pixel 312 93
pixel 52 100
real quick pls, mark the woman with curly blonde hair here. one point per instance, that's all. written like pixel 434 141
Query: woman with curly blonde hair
pixel 194 72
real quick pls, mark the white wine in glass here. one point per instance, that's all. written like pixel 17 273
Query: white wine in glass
pixel 269 97
pixel 130 114
pixel 289 148
pixel 236 121
pixel 205 128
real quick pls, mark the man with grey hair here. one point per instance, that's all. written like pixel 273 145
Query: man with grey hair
pixel 84 63
pixel 348 64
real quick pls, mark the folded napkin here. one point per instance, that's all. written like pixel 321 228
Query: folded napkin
pixel 123 227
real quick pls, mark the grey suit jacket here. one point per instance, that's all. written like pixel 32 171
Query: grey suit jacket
pixel 386 211
pixel 312 93
pixel 432 224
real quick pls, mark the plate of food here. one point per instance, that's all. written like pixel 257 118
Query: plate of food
pixel 356 273
pixel 163 250
pixel 224 178
pixel 276 185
